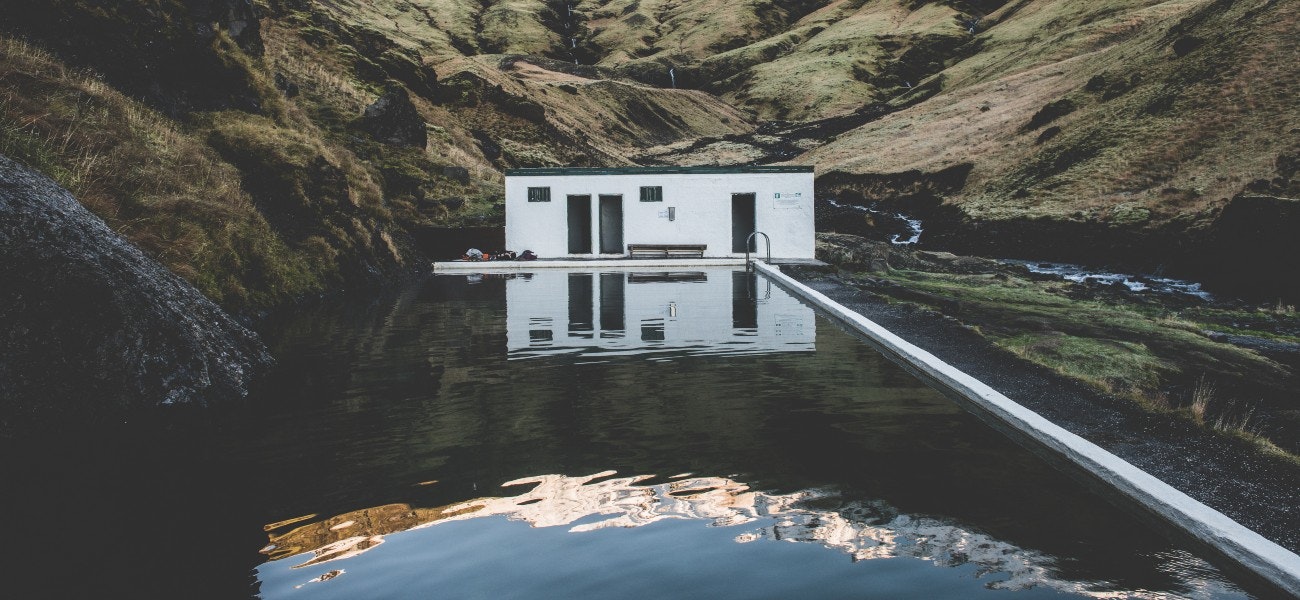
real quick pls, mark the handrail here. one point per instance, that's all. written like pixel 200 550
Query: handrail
pixel 751 238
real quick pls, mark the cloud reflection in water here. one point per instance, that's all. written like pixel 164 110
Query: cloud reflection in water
pixel 865 530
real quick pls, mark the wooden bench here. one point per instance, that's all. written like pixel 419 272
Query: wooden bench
pixel 666 250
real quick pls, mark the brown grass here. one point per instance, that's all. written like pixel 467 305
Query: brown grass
pixel 1203 392
pixel 156 184
pixel 1181 136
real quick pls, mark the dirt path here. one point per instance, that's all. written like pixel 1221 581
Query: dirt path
pixel 1260 492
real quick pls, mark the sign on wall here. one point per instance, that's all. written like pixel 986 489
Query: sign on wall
pixel 787 201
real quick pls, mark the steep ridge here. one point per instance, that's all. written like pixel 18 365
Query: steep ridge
pixel 1118 135
pixel 796 60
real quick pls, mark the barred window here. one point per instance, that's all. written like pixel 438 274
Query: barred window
pixel 653 193
pixel 539 194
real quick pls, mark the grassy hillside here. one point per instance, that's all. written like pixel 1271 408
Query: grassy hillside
pixel 239 144
pixel 1132 114
pixel 794 60
pixel 1158 131
pixel 154 182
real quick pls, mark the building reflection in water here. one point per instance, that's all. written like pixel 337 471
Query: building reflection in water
pixel 865 530
pixel 659 313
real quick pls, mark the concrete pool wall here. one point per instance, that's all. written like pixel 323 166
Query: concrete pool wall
pixel 1247 550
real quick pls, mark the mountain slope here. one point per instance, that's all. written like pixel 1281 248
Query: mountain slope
pixel 276 150
pixel 1157 133
pixel 1136 127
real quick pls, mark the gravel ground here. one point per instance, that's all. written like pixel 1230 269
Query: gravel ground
pixel 1260 492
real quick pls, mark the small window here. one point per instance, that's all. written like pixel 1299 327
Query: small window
pixel 652 193
pixel 539 194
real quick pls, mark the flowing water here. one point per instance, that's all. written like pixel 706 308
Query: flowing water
pixel 1068 272
pixel 574 435
pixel 914 226
pixel 1134 283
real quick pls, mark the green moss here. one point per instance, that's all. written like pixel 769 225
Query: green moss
pixel 1129 213
pixel 1115 366
pixel 1278 322
pixel 1161 344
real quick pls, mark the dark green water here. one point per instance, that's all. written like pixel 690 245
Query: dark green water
pixel 663 435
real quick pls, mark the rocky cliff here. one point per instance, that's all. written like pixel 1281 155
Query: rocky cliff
pixel 91 328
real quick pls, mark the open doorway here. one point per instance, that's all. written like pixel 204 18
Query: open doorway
pixel 611 224
pixel 742 220
pixel 579 224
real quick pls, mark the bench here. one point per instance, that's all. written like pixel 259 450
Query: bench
pixel 666 250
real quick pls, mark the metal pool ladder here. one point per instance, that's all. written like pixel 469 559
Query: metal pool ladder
pixel 750 239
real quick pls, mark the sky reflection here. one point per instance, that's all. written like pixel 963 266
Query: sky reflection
pixel 865 530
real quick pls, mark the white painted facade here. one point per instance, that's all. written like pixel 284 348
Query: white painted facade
pixel 696 208
pixel 653 312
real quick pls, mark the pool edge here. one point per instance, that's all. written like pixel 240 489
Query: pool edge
pixel 1246 549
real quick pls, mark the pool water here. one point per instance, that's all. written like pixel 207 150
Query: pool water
pixel 557 434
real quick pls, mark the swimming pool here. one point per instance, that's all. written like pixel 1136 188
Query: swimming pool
pixel 567 434
pixel 700 434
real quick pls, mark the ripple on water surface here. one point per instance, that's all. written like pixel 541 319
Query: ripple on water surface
pixel 689 547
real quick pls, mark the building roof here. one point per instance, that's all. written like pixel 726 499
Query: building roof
pixel 656 170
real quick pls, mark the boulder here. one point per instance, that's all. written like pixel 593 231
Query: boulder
pixel 393 119
pixel 853 252
pixel 457 174
pixel 93 329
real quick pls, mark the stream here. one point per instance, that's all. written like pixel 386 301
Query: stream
pixel 913 225
pixel 1066 271
pixel 1135 283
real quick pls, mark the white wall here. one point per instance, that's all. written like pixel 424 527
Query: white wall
pixel 702 203
pixel 695 317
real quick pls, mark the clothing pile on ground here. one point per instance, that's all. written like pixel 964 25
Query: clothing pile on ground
pixel 476 254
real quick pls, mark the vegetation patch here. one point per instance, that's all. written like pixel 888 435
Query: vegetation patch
pixel 1116 366
pixel 1157 354
pixel 153 181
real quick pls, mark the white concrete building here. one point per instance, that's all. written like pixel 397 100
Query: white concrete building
pixel 614 212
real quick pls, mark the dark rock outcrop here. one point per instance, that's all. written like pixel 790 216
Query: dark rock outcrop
pixel 91 328
pixel 861 254
pixel 177 55
pixel 1252 246
pixel 392 119
pixel 912 189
